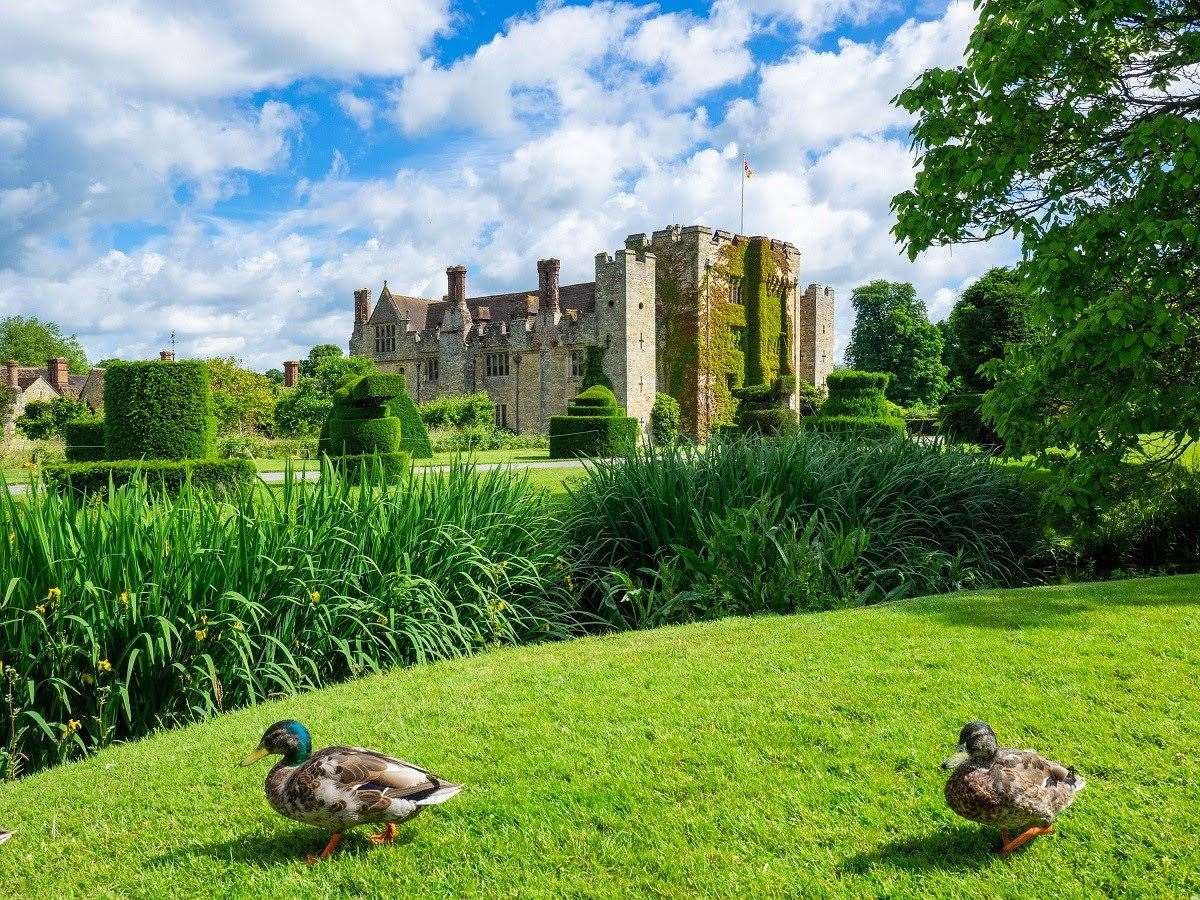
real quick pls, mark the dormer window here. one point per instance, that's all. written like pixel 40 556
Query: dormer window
pixel 385 338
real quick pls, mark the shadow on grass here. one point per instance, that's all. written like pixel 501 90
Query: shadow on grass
pixel 957 849
pixel 276 848
pixel 1055 605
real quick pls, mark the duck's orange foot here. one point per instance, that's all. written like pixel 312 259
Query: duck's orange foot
pixel 1023 838
pixel 334 840
pixel 386 836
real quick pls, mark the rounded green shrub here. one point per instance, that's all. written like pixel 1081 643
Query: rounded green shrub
pixel 374 414
pixel 158 410
pixel 768 422
pixel 217 475
pixel 84 439
pixel 597 400
pixel 872 427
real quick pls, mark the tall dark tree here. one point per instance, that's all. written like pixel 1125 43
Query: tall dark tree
pixel 31 342
pixel 892 333
pixel 991 315
pixel 1075 128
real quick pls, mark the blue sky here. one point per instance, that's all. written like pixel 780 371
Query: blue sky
pixel 232 170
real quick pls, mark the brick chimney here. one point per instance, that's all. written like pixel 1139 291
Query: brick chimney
pixel 56 372
pixel 547 285
pixel 362 306
pixel 12 371
pixel 291 373
pixel 166 355
pixel 456 285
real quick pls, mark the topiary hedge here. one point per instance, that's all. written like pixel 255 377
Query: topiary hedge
pixel 158 410
pixel 857 407
pixel 374 414
pixel 763 408
pixel 84 439
pixel 169 475
pixel 593 426
pixel 665 418
pixel 354 465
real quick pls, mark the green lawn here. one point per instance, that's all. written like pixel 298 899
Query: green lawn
pixel 767 757
pixel 439 459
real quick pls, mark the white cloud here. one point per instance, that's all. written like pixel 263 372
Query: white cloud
pixel 815 98
pixel 574 126
pixel 359 110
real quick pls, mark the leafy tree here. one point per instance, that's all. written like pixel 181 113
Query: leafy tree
pixel 892 333
pixel 665 417
pixel 275 376
pixel 304 409
pixel 991 315
pixel 31 342
pixel 243 401
pixel 318 353
pixel 1075 128
pixel 106 362
pixel 43 419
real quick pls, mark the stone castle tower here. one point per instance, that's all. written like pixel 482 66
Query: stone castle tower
pixel 690 311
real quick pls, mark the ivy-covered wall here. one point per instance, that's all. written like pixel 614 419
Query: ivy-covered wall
pixel 700 357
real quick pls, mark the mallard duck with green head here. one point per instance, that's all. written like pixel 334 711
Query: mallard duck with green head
pixel 1017 791
pixel 341 787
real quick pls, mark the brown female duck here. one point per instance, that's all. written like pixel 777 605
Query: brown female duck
pixel 1016 791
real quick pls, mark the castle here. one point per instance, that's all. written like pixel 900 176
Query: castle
pixel 689 311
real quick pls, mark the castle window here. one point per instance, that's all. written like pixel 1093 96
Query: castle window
pixel 576 363
pixel 735 290
pixel 501 415
pixel 495 365
pixel 431 369
pixel 738 334
pixel 385 338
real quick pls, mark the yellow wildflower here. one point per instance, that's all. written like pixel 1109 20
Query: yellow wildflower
pixel 201 633
pixel 315 596
pixel 54 594
pixel 237 626
pixel 40 609
pixel 502 606
pixel 28 464
pixel 382 620
pixel 88 679
pixel 124 598
pixel 104 665
pixel 569 583
pixel 72 726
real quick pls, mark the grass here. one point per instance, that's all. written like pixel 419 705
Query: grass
pixel 438 459
pixel 747 757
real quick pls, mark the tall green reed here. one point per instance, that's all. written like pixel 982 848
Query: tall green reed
pixel 886 519
pixel 139 611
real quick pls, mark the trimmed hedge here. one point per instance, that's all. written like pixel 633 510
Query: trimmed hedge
pixel 595 401
pixel 598 436
pixel 170 475
pixel 84 439
pixel 857 407
pixel 361 406
pixel 962 422
pixel 158 410
pixel 665 418
pixel 768 422
pixel 351 467
pixel 854 393
pixel 870 427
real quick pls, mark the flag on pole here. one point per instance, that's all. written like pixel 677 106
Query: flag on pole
pixel 746 170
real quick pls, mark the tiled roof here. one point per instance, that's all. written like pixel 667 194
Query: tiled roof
pixel 27 375
pixel 424 315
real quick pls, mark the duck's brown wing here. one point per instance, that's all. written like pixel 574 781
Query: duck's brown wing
pixel 1034 785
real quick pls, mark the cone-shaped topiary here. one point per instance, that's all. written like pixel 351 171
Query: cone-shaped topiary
pixel 593 426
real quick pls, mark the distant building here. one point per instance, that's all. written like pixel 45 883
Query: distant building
pixel 35 383
pixel 690 311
